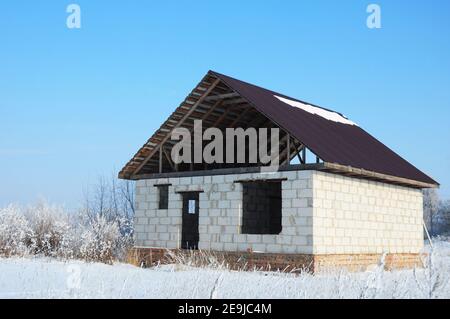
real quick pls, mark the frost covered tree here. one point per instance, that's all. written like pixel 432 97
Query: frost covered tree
pixel 436 213
pixel 101 230
pixel 109 199
pixel 108 212
pixel 14 230
pixel 49 225
pixel 430 208
pixel 442 218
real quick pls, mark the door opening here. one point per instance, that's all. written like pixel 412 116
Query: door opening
pixel 189 233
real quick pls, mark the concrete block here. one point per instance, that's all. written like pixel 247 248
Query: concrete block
pixel 289 193
pixel 218 179
pixel 142 221
pixel 254 239
pixel 185 180
pixel 224 204
pixel 161 228
pixel 197 180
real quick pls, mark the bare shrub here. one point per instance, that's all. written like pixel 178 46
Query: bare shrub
pixel 107 218
pixel 434 280
pixel 100 240
pixel 101 230
pixel 49 225
pixel 14 230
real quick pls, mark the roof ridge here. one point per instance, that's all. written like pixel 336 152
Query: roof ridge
pixel 276 93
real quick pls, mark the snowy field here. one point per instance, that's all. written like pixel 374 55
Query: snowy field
pixel 49 278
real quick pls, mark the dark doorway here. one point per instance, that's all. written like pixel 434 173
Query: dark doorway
pixel 189 233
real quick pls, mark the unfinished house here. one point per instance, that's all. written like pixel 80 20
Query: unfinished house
pixel 339 197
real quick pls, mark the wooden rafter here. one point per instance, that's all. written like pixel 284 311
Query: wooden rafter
pixel 228 111
pixel 194 106
pixel 240 117
pixel 282 141
pixel 288 148
pixel 169 160
pixel 160 158
pixel 292 154
pixel 221 96
pixel 235 101
pixel 222 117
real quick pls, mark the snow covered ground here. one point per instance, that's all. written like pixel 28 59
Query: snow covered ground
pixel 49 278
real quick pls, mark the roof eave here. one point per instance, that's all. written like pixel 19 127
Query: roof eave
pixel 390 179
pixel 326 167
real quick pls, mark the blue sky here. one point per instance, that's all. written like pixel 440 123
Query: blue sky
pixel 76 104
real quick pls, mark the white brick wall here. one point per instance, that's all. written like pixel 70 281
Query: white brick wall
pixel 356 216
pixel 322 213
pixel 220 214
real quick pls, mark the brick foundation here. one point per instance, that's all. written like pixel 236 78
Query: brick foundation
pixel 362 262
pixel 147 257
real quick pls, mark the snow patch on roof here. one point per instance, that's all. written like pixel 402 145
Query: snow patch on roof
pixel 329 115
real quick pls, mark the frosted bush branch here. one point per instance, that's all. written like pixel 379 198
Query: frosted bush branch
pixel 101 230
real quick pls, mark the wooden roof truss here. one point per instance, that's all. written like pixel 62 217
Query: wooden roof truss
pixel 218 106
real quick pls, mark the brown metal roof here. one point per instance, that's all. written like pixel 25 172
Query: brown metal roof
pixel 335 143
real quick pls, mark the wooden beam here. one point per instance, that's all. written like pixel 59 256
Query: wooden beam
pixel 240 117
pixel 258 121
pixel 359 172
pixel 168 158
pixel 280 154
pixel 192 109
pixel 292 155
pixel 288 149
pixel 222 117
pixel 235 101
pixel 184 192
pixel 226 171
pixel 221 96
pixel 332 168
pixel 160 158
pixel 204 116
pixel 212 108
pixel 258 180
pixel 298 148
